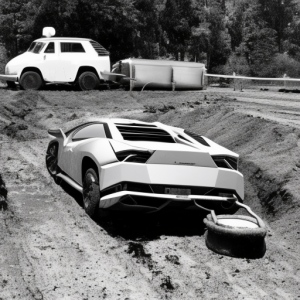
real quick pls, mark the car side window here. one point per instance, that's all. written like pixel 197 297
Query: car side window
pixel 50 48
pixel 71 47
pixel 90 131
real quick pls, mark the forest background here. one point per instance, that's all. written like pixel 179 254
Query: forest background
pixel 249 37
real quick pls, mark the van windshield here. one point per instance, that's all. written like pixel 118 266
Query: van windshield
pixel 36 47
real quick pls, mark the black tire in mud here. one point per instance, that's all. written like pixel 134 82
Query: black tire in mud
pixel 234 241
pixel 11 84
pixel 88 81
pixel 31 81
pixel 52 160
pixel 91 192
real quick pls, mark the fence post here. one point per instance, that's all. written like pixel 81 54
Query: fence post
pixel 233 74
pixel 204 79
pixel 285 76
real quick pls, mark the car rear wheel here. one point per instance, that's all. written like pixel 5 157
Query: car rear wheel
pixel 52 160
pixel 31 81
pixel 88 81
pixel 91 192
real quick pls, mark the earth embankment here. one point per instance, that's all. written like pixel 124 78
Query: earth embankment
pixel 50 249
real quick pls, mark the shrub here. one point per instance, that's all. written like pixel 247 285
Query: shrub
pixel 284 64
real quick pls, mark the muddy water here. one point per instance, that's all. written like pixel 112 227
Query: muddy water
pixel 50 249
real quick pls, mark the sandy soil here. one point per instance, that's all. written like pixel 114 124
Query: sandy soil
pixel 50 249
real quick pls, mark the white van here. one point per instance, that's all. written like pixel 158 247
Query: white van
pixel 77 61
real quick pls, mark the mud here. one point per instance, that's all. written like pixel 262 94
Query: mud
pixel 3 194
pixel 50 249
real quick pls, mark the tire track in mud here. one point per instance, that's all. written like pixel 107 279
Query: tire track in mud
pixel 46 248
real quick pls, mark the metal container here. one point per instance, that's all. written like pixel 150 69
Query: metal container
pixel 161 74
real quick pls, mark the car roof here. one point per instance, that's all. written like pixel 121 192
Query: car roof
pixel 47 39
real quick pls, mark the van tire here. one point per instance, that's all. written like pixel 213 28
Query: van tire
pixel 88 81
pixel 11 84
pixel 31 81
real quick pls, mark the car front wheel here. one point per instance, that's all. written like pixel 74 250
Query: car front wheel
pixel 31 81
pixel 91 192
pixel 88 81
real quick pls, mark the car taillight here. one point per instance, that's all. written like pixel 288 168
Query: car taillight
pixel 226 162
pixel 134 156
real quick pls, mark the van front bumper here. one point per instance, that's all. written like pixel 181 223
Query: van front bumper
pixel 9 77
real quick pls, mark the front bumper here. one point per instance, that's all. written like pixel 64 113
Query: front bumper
pixel 9 77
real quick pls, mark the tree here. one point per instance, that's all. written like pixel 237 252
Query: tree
pixel 16 21
pixel 278 14
pixel 218 48
pixel 148 30
pixel 110 22
pixel 252 38
pixel 176 20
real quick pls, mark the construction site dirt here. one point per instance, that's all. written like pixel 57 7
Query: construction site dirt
pixel 50 249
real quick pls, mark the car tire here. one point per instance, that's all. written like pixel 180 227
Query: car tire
pixel 88 81
pixel 91 192
pixel 52 160
pixel 31 81
pixel 234 241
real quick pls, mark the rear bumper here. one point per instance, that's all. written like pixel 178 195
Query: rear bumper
pixel 173 175
pixel 151 202
pixel 9 77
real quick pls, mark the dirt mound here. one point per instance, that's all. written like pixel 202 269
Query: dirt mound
pixel 52 249
pixel 18 116
pixel 269 152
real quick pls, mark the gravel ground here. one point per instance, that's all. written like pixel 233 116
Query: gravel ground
pixel 50 249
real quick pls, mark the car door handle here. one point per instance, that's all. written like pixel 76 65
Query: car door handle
pixel 44 57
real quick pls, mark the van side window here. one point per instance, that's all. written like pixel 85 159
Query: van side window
pixel 50 48
pixel 71 47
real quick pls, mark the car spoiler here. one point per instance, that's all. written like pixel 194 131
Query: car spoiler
pixel 57 133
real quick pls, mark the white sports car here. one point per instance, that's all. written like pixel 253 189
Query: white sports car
pixel 120 164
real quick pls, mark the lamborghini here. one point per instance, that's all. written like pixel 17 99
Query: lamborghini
pixel 129 165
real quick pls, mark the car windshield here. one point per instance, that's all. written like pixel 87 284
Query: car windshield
pixel 36 47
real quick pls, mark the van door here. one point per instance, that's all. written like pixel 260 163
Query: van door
pixel 49 66
pixel 71 56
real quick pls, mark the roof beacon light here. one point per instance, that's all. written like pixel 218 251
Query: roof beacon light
pixel 48 31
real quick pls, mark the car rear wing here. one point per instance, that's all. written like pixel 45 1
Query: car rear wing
pixel 58 134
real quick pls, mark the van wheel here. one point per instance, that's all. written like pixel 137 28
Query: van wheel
pixel 88 81
pixel 11 84
pixel 31 81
